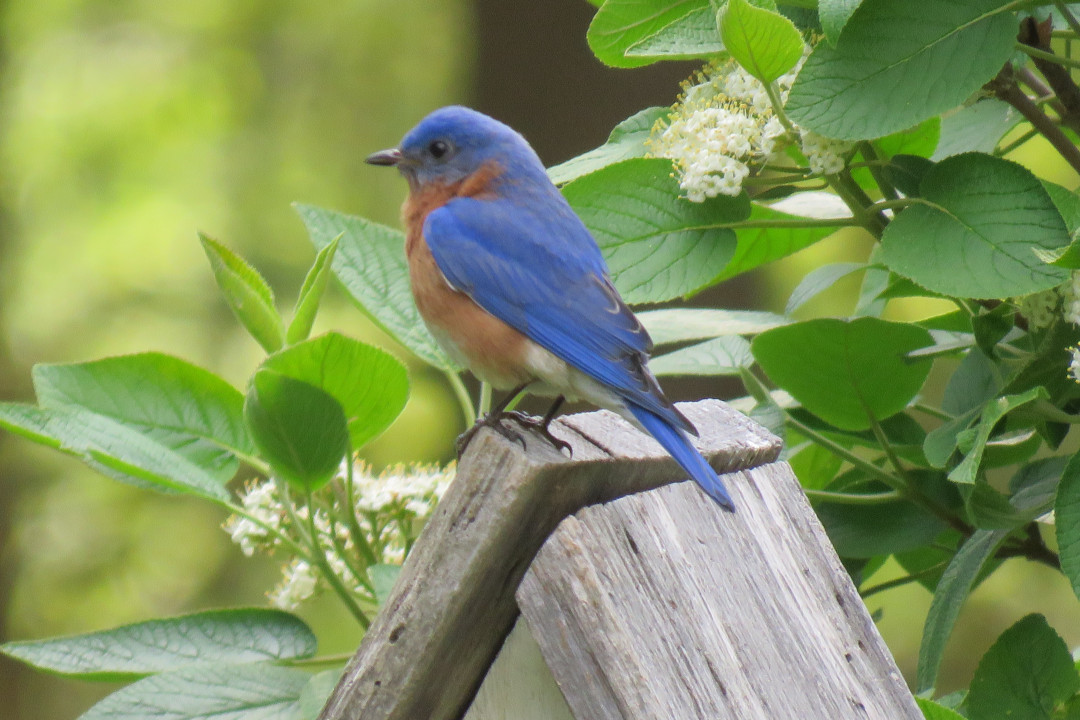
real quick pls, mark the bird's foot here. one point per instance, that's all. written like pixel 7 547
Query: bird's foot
pixel 541 426
pixel 493 420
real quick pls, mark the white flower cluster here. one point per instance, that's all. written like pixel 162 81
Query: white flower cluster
pixel 720 126
pixel 1074 364
pixel 389 510
pixel 825 155
pixel 1070 294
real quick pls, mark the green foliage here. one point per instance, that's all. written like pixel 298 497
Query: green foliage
pixel 894 129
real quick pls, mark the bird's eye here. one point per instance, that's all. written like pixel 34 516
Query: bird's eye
pixel 438 148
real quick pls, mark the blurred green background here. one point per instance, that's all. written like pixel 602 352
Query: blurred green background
pixel 127 125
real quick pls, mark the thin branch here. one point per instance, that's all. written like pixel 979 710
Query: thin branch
pixel 842 498
pixel 1005 88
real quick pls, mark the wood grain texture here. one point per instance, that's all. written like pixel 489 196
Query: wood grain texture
pixel 427 651
pixel 660 606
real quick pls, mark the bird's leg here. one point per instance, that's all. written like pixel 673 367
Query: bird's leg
pixel 542 426
pixel 493 420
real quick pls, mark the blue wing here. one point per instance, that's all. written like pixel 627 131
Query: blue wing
pixel 542 273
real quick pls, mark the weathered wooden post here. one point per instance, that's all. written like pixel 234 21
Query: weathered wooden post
pixel 639 598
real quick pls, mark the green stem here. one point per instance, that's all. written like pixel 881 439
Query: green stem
pixel 324 566
pixel 853 498
pixel 1048 56
pixel 782 223
pixel 1000 152
pixel 337 659
pixel 900 581
pixel 890 452
pixel 932 411
pixel 860 204
pixel 778 109
pixel 464 400
pixel 355 531
pixel 899 484
pixel 485 399
pixel 899 203
pixel 877 171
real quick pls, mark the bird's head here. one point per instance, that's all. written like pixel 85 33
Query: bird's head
pixel 454 142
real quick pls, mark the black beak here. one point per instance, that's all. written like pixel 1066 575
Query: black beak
pixel 384 157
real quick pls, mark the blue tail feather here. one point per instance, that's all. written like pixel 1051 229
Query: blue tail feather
pixel 679 447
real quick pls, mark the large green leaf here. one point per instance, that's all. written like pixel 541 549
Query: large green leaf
pixel 632 33
pixel 874 81
pixel 933 711
pixel 1067 522
pixel 658 245
pixel 975 128
pixel 760 245
pixel 764 42
pixel 1027 673
pixel 257 691
pixel 180 405
pixel 864 531
pixel 627 140
pixel 849 373
pixel 298 428
pixel 953 588
pixel 113 449
pixel 370 263
pixel 371 386
pixel 725 355
pixel 834 14
pixel 975 233
pixel 672 325
pixel 248 294
pixel 234 636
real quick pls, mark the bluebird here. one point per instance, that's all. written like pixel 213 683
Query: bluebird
pixel 513 286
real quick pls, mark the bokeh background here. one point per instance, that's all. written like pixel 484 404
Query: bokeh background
pixel 128 125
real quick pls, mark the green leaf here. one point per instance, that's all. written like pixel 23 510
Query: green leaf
pixel 953 588
pixel 219 636
pixel 1067 203
pixel 849 373
pixel 383 578
pixel 965 242
pixel 693 35
pixel 180 405
pixel 765 43
pixel 874 81
pixel 674 325
pixel 370 263
pixel 758 246
pixel 967 471
pixel 1027 673
pixel 932 711
pixel 627 140
pixel 252 692
pixel 307 302
pixel 317 692
pixel 658 245
pixel 297 427
pixel 370 385
pixel 863 531
pixel 112 448
pixel 726 355
pixel 834 14
pixel 975 128
pixel 1067 522
pixel 248 294
pixel 620 25
pixel 817 281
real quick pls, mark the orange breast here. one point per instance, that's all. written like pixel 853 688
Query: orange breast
pixel 490 348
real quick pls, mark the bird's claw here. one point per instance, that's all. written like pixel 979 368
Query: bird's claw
pixel 542 426
pixel 495 422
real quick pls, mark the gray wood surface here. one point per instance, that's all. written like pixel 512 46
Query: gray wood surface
pixel 427 651
pixel 660 606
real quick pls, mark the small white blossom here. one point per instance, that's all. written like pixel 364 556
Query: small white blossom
pixel 1074 364
pixel 260 500
pixel 1040 308
pixel 1070 294
pixel 297 584
pixel 825 155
